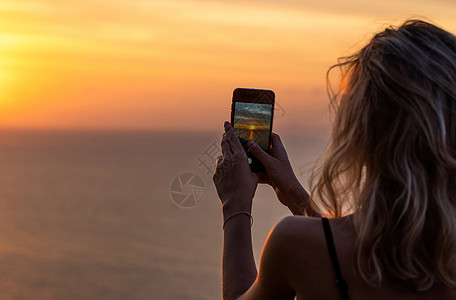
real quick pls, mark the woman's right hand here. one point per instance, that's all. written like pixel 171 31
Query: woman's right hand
pixel 279 174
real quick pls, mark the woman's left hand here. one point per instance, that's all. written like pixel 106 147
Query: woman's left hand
pixel 233 179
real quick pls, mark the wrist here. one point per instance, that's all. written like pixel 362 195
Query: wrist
pixel 303 207
pixel 230 207
pixel 299 199
pixel 238 215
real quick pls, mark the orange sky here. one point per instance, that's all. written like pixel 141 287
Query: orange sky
pixel 173 64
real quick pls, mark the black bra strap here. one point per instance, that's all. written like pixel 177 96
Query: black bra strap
pixel 332 252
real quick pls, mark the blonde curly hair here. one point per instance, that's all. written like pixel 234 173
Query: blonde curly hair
pixel 392 155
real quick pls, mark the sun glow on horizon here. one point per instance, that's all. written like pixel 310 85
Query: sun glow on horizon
pixel 149 63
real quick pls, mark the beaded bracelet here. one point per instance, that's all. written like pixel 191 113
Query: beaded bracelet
pixel 238 213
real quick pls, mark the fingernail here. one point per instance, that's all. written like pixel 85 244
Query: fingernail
pixel 251 144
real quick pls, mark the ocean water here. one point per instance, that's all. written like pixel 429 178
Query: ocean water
pixel 89 214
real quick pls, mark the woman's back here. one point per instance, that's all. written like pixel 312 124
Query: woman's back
pixel 313 275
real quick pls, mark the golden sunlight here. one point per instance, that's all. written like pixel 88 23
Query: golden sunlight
pixel 147 64
pixel 7 75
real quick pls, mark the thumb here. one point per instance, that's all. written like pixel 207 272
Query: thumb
pixel 259 153
pixel 278 150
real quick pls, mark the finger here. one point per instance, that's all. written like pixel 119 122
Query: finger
pixel 278 150
pixel 218 161
pixel 234 141
pixel 259 153
pixel 264 178
pixel 226 148
pixel 226 125
pixel 218 169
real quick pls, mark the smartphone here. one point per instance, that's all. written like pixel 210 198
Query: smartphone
pixel 252 111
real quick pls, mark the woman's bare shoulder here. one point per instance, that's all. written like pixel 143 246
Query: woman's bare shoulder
pixel 304 249
pixel 310 229
pixel 296 227
pixel 292 231
pixel 304 252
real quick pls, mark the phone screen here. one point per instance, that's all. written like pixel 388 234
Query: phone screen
pixel 252 121
pixel 251 117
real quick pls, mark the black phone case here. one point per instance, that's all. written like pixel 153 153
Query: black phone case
pixel 254 96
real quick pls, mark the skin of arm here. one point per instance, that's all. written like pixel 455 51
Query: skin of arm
pixel 280 176
pixel 240 278
pixel 239 269
pixel 273 280
pixel 236 185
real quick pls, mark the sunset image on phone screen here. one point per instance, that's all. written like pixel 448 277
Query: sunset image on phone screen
pixel 252 121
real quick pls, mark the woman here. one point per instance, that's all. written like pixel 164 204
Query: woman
pixel 391 164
